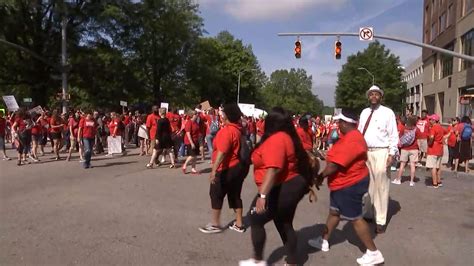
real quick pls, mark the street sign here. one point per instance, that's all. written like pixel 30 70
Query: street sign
pixel 27 100
pixel 366 34
pixel 11 103
pixel 123 103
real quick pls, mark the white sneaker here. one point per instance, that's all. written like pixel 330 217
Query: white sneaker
pixel 252 262
pixel 319 243
pixel 397 182
pixel 371 258
pixel 393 168
pixel 412 184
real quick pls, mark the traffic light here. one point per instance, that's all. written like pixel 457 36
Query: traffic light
pixel 338 49
pixel 298 49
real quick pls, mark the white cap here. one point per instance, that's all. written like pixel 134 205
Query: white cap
pixel 341 116
pixel 375 88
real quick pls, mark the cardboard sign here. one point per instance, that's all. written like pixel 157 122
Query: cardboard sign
pixel 165 105
pixel 142 133
pixel 123 103
pixel 38 110
pixel 247 109
pixel 11 103
pixel 114 144
pixel 205 106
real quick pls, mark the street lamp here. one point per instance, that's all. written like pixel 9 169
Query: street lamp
pixel 238 82
pixel 373 78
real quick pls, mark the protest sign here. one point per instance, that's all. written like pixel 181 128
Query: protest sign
pixel 114 144
pixel 11 103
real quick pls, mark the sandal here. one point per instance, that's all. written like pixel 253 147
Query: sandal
pixel 149 166
pixel 172 166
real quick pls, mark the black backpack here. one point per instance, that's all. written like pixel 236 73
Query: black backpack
pixel 244 151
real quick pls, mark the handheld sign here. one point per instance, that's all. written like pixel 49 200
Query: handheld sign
pixel 123 103
pixel 11 103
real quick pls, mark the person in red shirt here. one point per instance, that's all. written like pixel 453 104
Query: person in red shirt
pixel 191 140
pixel 87 131
pixel 3 127
pixel 465 144
pixel 305 134
pixel 348 181
pixel 409 152
pixel 228 172
pixel 435 150
pixel 56 129
pixel 453 144
pixel 283 174
pixel 73 125
pixel 36 137
pixel 176 133
pixel 22 135
pixel 423 125
pixel 260 127
pixel 151 125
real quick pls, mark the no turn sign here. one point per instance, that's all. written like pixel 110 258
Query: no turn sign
pixel 366 34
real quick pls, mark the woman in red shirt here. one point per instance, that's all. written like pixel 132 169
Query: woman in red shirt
pixel 87 132
pixel 56 128
pixel 453 144
pixel 73 127
pixel 228 172
pixel 36 137
pixel 22 135
pixel 305 134
pixel 191 140
pixel 283 175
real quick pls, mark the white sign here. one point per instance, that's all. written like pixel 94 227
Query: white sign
pixel 123 103
pixel 27 100
pixel 38 110
pixel 366 34
pixel 181 112
pixel 142 132
pixel 11 103
pixel 165 105
pixel 114 144
pixel 247 109
pixel 259 113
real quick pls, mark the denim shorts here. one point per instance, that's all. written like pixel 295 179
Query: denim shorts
pixel 348 201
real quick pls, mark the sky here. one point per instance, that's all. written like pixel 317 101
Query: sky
pixel 257 22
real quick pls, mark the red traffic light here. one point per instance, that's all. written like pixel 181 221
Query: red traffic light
pixel 338 49
pixel 298 49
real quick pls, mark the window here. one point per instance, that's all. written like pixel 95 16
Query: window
pixel 427 14
pixel 442 22
pixel 435 61
pixel 468 5
pixel 433 32
pixel 467 42
pixel 451 15
pixel 447 62
pixel 432 7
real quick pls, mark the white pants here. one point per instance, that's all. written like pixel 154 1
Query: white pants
pixel 376 203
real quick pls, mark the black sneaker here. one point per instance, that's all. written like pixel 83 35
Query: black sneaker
pixel 210 229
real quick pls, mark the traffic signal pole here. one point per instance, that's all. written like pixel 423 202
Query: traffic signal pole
pixel 384 37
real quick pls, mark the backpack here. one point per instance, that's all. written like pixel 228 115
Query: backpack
pixel 408 138
pixel 466 132
pixel 214 126
pixel 244 151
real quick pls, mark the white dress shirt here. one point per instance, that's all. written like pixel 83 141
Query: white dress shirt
pixel 382 130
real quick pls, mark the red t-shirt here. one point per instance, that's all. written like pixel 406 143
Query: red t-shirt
pixel 452 136
pixel 126 119
pixel 437 147
pixel 55 122
pixel 175 121
pixel 36 129
pixel 151 124
pixel 20 123
pixel 350 152
pixel 400 129
pixel 209 120
pixel 227 140
pixel 260 125
pixel 193 128
pixel 306 138
pixel 3 126
pixel 75 126
pixel 252 128
pixel 114 124
pixel 277 151
pixel 424 126
pixel 89 127
pixel 414 145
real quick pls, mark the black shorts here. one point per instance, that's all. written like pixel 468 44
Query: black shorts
pixel 55 135
pixel 192 152
pixel 228 182
pixel 348 201
pixel 37 138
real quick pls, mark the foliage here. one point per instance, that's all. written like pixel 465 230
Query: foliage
pixel 353 82
pixel 291 90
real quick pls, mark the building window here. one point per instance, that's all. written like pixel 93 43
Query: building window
pixel 451 15
pixel 447 62
pixel 432 7
pixel 467 42
pixel 442 22
pixel 427 15
pixel 468 5
pixel 433 32
pixel 435 61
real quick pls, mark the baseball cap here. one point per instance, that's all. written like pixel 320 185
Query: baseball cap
pixel 435 117
pixel 374 88
pixel 346 115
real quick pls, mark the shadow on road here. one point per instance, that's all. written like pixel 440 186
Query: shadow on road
pixel 113 164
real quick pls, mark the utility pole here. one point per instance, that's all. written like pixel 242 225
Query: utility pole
pixel 64 63
pixel 238 82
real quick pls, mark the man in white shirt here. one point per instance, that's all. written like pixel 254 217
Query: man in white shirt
pixel 378 125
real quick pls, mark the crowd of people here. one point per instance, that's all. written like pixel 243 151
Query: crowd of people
pixel 282 149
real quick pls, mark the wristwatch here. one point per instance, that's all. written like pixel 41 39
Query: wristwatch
pixel 262 196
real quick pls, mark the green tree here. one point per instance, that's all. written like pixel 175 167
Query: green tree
pixel 291 90
pixel 353 83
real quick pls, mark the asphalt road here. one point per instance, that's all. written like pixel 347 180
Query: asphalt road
pixel 120 213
